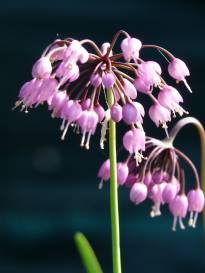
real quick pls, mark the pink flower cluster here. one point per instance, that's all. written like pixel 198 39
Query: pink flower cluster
pixel 74 83
pixel 161 179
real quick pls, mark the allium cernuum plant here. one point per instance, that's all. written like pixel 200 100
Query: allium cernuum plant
pixel 86 89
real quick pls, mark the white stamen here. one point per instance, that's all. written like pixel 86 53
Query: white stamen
pixel 83 139
pixel 190 223
pixel 65 131
pixel 17 104
pixel 187 86
pixel 174 223
pixel 155 210
pixel 77 129
pixel 195 219
pixel 87 145
pixel 100 186
pixel 23 107
pixel 62 125
pixel 138 157
pixel 178 109
pixel 181 223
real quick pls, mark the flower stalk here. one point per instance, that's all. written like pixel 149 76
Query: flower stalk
pixel 114 192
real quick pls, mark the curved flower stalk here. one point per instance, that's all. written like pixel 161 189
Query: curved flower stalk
pixel 84 88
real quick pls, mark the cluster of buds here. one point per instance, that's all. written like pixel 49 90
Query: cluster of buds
pixel 161 179
pixel 74 82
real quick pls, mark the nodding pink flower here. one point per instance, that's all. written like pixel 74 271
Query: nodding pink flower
pixel 57 53
pixel 170 98
pixel 148 179
pixel 104 49
pixel 122 173
pixel 133 112
pixel 104 172
pixel 179 207
pixel 116 112
pixel 29 93
pixel 108 79
pixel 100 112
pixel 87 121
pixel 130 48
pixel 150 72
pixel 76 52
pixel 47 89
pixel 95 80
pixel 129 89
pixel 159 115
pixel 157 176
pixel 71 111
pixel 57 102
pixel 178 70
pixel 85 104
pixel 134 143
pixel 196 205
pixel 170 191
pixel 155 193
pixel 142 86
pixel 138 193
pixel 42 68
pixel 131 180
pixel 68 71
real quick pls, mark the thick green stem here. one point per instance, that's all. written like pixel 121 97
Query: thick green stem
pixel 114 192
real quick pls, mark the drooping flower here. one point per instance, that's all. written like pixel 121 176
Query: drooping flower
pixel 129 89
pixel 130 48
pixel 170 98
pixel 170 191
pixel 150 72
pixel 42 68
pixel 196 205
pixel 104 172
pixel 108 79
pixel 116 112
pixel 122 173
pixel 159 115
pixel 134 143
pixel 179 71
pixel 133 113
pixel 138 193
pixel 87 121
pixel 179 207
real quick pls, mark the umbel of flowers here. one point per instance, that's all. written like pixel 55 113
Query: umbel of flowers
pixel 72 82
pixel 84 86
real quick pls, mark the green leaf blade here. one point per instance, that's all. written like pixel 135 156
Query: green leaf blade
pixel 87 254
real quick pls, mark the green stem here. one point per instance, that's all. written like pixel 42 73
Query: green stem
pixel 114 192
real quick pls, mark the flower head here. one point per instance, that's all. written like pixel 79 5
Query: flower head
pixel 75 82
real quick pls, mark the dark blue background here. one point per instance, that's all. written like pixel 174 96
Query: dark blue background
pixel 48 189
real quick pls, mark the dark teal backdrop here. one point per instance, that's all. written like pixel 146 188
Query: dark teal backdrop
pixel 48 189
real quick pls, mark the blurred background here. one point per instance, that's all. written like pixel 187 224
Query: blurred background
pixel 48 188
